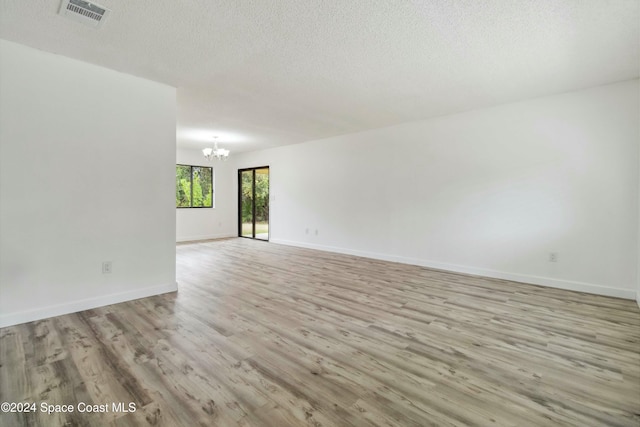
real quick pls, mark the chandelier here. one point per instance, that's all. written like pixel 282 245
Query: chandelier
pixel 215 152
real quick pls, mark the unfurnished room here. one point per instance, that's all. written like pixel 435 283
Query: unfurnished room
pixel 320 213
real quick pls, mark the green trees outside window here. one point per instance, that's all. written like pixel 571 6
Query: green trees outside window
pixel 262 197
pixel 194 186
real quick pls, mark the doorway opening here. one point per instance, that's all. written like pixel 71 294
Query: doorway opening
pixel 253 203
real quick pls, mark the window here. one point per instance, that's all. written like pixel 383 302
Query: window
pixel 194 186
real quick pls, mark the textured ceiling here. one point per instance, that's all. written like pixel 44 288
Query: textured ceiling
pixel 262 73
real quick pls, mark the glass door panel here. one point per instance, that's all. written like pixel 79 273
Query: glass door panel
pixel 262 203
pixel 253 203
pixel 246 203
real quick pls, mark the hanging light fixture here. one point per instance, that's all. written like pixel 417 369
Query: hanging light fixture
pixel 215 152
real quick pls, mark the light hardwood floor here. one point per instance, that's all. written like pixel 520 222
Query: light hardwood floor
pixel 267 335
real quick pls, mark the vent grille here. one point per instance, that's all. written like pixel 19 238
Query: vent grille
pixel 84 12
pixel 86 9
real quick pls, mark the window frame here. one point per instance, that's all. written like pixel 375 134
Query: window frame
pixel 213 200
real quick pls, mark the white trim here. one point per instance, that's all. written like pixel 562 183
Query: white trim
pixel 203 237
pixel 516 277
pixel 84 304
pixel 638 298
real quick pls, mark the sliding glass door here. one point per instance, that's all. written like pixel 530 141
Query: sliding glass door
pixel 253 203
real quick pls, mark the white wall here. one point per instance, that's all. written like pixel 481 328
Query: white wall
pixel 489 192
pixel 217 222
pixel 87 171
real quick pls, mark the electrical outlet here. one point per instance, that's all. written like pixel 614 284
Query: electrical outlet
pixel 316 231
pixel 306 231
pixel 553 256
pixel 107 267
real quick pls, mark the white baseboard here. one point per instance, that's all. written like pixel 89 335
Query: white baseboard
pixel 638 298
pixel 516 277
pixel 84 304
pixel 181 239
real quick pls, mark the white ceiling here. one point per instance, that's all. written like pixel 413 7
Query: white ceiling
pixel 263 73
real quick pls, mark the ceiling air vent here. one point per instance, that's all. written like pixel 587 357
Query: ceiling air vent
pixel 84 12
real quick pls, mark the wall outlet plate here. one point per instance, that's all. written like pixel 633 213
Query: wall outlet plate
pixel 107 267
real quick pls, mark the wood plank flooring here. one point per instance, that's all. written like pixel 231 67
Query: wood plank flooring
pixel 267 335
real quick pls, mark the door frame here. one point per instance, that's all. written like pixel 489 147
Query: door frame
pixel 253 198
